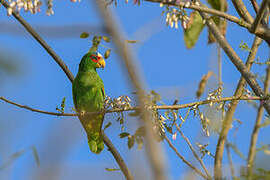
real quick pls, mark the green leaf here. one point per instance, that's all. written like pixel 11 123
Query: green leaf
pixel 139 141
pixel 107 53
pixel 123 134
pixel 131 141
pixel 106 38
pixel 135 113
pixel 112 169
pixel 12 158
pixel 35 154
pixel 140 131
pixel 168 128
pixel 216 4
pixel 107 125
pixel 131 41
pixel 84 35
pixel 265 123
pixel 193 30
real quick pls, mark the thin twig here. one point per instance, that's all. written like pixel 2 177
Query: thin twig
pixel 161 107
pixel 184 160
pixel 255 5
pixel 259 17
pixel 68 74
pixel 193 151
pixel 230 160
pixel 255 133
pixel 226 125
pixel 219 66
pixel 153 149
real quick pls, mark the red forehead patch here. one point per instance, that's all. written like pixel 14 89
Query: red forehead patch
pixel 95 58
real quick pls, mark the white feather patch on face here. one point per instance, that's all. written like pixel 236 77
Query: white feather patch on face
pixel 99 55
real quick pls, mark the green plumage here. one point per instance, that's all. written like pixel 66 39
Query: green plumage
pixel 88 96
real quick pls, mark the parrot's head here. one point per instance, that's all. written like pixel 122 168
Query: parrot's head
pixel 92 60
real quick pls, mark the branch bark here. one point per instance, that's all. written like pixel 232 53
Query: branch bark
pixel 255 133
pixel 242 10
pixel 259 17
pixel 226 125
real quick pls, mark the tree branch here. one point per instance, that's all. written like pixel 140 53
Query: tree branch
pixel 184 160
pixel 259 17
pixel 226 125
pixel 215 12
pixel 255 133
pixel 255 5
pixel 156 107
pixel 70 77
pixel 193 151
pixel 242 10
pixel 230 161
pixel 235 59
pixel 262 32
pixel 153 150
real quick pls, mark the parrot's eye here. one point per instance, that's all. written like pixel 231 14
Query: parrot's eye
pixel 94 58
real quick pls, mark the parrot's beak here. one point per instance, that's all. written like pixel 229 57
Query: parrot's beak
pixel 101 63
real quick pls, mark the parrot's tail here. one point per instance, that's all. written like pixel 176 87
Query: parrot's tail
pixel 95 142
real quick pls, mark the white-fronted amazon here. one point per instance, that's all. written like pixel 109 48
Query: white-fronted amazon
pixel 88 96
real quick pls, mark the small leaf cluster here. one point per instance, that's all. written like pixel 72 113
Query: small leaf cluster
pixel 96 42
pixel 61 109
pixel 136 137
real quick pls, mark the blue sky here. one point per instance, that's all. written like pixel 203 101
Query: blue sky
pixel 166 65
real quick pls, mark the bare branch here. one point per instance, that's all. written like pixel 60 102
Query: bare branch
pixel 184 160
pixel 161 107
pixel 226 125
pixel 259 17
pixel 193 151
pixel 255 133
pixel 255 5
pixel 230 161
pixel 242 10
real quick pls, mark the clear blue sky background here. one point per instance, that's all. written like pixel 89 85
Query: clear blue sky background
pixel 166 65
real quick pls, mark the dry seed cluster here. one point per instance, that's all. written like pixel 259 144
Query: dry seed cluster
pixel 32 6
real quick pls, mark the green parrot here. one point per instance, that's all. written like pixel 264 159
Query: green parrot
pixel 88 96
